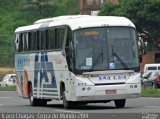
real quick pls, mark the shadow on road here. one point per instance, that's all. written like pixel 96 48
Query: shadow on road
pixel 80 107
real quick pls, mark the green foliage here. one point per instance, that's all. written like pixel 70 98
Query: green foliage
pixel 144 14
pixel 67 7
pixel 41 8
pixel 8 88
pixel 108 9
pixel 150 93
pixel 16 13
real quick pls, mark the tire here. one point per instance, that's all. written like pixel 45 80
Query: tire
pixel 66 104
pixel 33 101
pixel 120 103
pixel 82 103
pixel 42 102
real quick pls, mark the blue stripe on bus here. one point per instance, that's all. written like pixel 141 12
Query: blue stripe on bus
pixel 45 69
pixel 48 90
pixel 42 94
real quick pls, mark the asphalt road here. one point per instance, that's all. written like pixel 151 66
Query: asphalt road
pixel 11 103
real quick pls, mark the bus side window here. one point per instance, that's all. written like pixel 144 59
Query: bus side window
pixel 59 37
pixel 17 42
pixel 46 41
pixel 37 40
pixel 51 39
pixel 25 42
pixel 23 39
pixel 20 46
pixel 42 36
pixel 29 41
pixel 56 38
pixel 34 40
pixel 41 39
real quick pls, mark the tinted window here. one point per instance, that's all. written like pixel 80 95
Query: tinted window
pixel 41 39
pixel 101 49
pixel 13 77
pixel 23 42
pixel 152 68
pixel 50 44
pixel 59 37
pixel 20 43
pixel 32 41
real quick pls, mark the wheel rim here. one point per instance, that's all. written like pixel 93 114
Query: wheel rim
pixel 31 98
pixel 64 99
pixel 65 102
pixel 31 95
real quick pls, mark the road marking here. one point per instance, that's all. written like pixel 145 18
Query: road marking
pixel 150 98
pixel 152 106
pixel 66 111
pixel 4 97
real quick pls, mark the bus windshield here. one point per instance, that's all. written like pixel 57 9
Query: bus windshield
pixel 106 49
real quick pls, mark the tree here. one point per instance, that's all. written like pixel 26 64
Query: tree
pixel 67 7
pixel 16 13
pixel 109 9
pixel 40 6
pixel 144 14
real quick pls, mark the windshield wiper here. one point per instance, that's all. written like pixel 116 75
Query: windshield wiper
pixel 97 59
pixel 119 59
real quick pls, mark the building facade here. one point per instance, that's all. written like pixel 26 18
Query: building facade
pixel 89 6
pixel 150 57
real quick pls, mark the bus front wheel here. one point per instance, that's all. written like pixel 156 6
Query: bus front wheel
pixel 67 104
pixel 120 103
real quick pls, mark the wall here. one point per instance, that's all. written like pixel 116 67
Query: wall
pixel 148 58
pixel 86 6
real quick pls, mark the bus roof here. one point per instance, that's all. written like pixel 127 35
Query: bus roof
pixel 78 21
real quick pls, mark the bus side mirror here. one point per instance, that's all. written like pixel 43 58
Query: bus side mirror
pixel 69 51
pixel 142 46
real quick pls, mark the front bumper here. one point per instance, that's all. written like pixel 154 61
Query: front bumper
pixel 107 97
pixel 98 93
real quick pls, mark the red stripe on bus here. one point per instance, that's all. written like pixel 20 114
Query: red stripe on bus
pixel 18 82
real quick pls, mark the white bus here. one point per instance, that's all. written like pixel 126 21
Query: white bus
pixel 78 59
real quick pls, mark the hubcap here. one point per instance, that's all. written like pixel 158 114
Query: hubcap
pixel 31 98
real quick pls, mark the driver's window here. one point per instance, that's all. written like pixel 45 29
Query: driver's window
pixel 69 48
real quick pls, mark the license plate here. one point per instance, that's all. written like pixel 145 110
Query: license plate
pixel 111 91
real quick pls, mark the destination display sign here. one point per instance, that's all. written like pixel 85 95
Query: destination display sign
pixel 112 78
pixel 89 33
